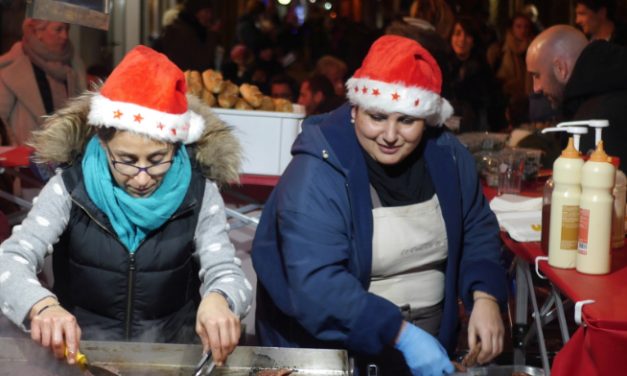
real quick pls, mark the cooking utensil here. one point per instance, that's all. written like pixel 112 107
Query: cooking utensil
pixel 85 366
pixel 206 365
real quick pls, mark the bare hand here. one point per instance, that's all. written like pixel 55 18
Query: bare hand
pixel 55 328
pixel 486 324
pixel 218 327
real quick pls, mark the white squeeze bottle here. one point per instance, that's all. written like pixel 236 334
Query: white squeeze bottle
pixel 563 233
pixel 595 213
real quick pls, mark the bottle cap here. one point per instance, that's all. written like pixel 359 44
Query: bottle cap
pixel 599 154
pixel 570 151
pixel 615 161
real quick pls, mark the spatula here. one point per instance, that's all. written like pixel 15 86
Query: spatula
pixel 90 369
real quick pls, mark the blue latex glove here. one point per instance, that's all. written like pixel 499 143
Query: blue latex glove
pixel 424 354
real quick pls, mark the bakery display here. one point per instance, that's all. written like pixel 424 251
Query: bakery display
pixel 211 87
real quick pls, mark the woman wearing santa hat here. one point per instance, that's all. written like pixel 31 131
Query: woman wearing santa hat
pixel 135 221
pixel 379 225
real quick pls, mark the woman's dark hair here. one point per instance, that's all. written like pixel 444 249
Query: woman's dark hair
pixel 106 134
pixel 472 28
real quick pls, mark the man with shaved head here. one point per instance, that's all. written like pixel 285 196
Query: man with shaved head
pixel 585 81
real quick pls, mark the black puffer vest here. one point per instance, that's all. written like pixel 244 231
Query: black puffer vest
pixel 149 296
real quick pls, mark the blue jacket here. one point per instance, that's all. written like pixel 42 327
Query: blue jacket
pixel 313 247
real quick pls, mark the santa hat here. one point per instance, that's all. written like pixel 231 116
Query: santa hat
pixel 145 94
pixel 399 75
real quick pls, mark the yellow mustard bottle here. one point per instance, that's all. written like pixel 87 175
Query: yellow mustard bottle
pixel 595 213
pixel 563 232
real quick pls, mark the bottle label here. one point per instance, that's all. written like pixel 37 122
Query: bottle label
pixel 584 226
pixel 570 227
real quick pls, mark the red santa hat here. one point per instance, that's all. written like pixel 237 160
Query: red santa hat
pixel 145 94
pixel 399 75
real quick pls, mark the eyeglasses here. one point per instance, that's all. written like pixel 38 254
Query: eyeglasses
pixel 131 170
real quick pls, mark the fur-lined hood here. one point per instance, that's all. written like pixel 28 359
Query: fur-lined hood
pixel 65 133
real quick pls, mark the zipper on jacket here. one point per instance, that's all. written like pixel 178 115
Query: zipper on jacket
pixel 129 296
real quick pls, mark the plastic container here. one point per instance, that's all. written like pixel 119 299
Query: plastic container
pixel 618 219
pixel 596 206
pixel 266 137
pixel 546 214
pixel 564 223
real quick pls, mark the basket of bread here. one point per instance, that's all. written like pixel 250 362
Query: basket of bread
pixel 214 90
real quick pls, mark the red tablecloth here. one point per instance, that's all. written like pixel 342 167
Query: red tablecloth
pixel 599 347
pixel 15 156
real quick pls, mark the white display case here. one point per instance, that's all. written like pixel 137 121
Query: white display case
pixel 266 137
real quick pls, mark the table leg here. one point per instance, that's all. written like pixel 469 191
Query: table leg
pixel 538 322
pixel 520 317
pixel 561 317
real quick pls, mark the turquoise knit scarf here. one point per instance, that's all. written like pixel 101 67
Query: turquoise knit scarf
pixel 133 218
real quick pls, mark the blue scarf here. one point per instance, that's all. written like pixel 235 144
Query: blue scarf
pixel 133 218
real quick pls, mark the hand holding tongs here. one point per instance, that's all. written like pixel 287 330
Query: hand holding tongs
pixel 205 366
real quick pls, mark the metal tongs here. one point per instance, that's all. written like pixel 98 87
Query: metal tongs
pixel 205 366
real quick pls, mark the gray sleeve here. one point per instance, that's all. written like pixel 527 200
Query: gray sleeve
pixel 220 270
pixel 22 254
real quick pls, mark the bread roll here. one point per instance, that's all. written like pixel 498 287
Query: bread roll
pixel 194 82
pixel 267 104
pixel 213 81
pixel 282 105
pixel 227 100
pixel 208 98
pixel 251 94
pixel 241 104
pixel 230 88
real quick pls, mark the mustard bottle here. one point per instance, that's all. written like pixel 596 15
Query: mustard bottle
pixel 563 232
pixel 595 213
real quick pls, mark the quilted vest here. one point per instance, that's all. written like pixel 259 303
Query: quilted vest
pixel 149 296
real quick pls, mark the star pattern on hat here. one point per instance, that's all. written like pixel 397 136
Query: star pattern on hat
pixel 160 126
pixel 395 96
pixel 356 89
pixel 173 131
pixel 376 92
pixel 416 102
pixel 364 90
pixel 138 118
pixel 117 114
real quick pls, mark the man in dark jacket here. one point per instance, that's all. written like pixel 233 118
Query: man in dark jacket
pixel 597 19
pixel 587 81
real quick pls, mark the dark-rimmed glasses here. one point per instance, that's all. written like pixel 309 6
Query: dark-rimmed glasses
pixel 130 170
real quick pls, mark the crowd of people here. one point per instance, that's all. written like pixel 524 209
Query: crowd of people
pixel 379 198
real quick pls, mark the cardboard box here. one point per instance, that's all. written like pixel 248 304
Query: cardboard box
pixel 266 138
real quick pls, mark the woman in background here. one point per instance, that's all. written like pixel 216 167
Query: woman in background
pixel 37 76
pixel 477 97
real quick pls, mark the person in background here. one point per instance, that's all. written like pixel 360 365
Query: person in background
pixel 240 66
pixel 378 226
pixel 531 11
pixel 477 97
pixel 317 95
pixel 584 81
pixel 596 19
pixel 436 12
pixel 135 222
pixel 37 76
pixel 512 70
pixel 191 41
pixel 284 86
pixel 335 70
